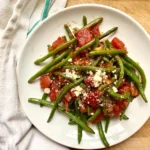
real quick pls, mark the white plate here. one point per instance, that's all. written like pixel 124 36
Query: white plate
pixel 138 44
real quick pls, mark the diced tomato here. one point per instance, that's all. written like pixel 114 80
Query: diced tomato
pixel 117 43
pixel 119 106
pixel 54 91
pixel 66 105
pixel 124 88
pixel 93 98
pixel 95 30
pixel 89 81
pixel 45 81
pixel 68 97
pixel 84 36
pixel 72 94
pixel 83 108
pixel 61 80
pixel 116 110
pixel 58 42
pixel 98 118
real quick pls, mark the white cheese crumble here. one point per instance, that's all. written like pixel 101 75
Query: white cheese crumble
pixel 70 60
pixel 114 71
pixel 115 76
pixel 71 74
pixel 77 90
pixel 98 78
pixel 47 90
pixel 92 113
pixel 114 89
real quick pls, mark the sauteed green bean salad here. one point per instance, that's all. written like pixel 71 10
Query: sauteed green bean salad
pixel 90 78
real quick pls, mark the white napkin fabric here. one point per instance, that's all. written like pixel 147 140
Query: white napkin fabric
pixel 16 131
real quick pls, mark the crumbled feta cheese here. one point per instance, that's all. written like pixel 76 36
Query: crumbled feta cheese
pixel 114 89
pixel 90 72
pixel 114 71
pixel 80 104
pixel 47 90
pixel 102 62
pixel 97 80
pixel 115 76
pixel 71 74
pixel 115 82
pixel 77 90
pixel 92 113
pixel 70 60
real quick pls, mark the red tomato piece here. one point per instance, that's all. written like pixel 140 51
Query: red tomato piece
pixel 66 105
pixel 95 30
pixel 118 44
pixel 98 118
pixel 116 110
pixel 124 88
pixel 83 108
pixel 93 98
pixel 89 81
pixel 54 91
pixel 58 42
pixel 45 81
pixel 84 36
pixel 68 97
pixel 119 106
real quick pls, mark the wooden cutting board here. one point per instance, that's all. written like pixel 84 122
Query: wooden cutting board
pixel 140 11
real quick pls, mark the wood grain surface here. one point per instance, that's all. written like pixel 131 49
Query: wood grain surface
pixel 140 11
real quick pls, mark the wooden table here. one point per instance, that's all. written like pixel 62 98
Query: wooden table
pixel 139 10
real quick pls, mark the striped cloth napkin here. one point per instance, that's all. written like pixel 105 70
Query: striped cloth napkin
pixel 17 19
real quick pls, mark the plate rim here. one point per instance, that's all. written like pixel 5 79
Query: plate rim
pixel 46 20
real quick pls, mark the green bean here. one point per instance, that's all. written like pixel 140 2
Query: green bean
pixel 102 135
pixel 87 68
pixel 107 119
pixel 125 117
pixel 121 74
pixel 55 51
pixel 128 65
pixel 108 44
pixel 71 123
pixel 64 76
pixel 63 92
pixel 62 109
pixel 64 61
pixel 108 32
pixel 118 96
pixel 84 21
pixel 97 112
pixel 94 22
pixel 96 42
pixel 49 65
pixel 65 38
pixel 105 59
pixel 79 127
pixel 44 97
pixel 137 83
pixel 96 61
pixel 68 31
pixel 105 52
pixel 138 67
pixel 102 87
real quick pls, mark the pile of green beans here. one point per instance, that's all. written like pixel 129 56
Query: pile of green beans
pixel 114 64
